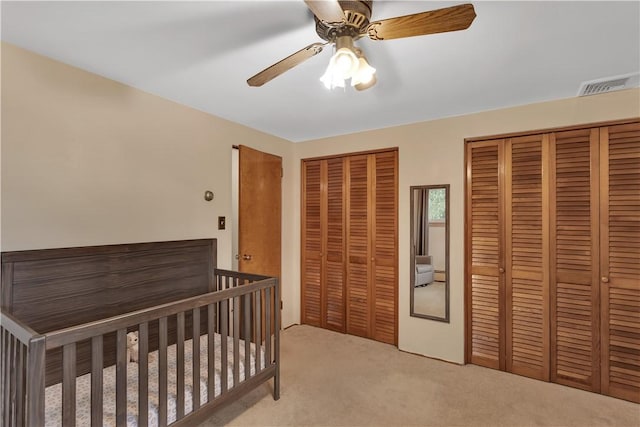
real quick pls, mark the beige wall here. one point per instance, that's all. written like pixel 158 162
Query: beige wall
pixel 433 153
pixel 88 161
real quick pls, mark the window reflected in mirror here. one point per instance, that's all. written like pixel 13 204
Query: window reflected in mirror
pixel 430 252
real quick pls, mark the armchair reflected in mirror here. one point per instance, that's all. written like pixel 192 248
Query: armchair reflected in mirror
pixel 430 252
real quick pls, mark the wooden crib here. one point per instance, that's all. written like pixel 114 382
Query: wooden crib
pixel 205 336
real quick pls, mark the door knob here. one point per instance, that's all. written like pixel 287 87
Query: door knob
pixel 605 280
pixel 246 257
pixel 501 270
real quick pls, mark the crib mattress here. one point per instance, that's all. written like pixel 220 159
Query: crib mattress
pixel 53 394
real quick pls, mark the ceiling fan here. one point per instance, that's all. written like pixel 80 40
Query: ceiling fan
pixel 340 23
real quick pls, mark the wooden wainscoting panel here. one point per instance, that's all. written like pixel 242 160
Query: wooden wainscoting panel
pixel 620 260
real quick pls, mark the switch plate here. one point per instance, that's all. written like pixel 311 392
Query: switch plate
pixel 221 222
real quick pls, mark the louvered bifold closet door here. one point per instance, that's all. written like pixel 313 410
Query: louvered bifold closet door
pixel 311 243
pixel 620 260
pixel 334 267
pixel 575 358
pixel 485 219
pixel 384 246
pixel 527 256
pixel 358 246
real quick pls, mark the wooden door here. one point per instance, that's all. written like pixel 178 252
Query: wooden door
pixel 312 245
pixel 384 246
pixel 334 236
pixel 323 227
pixel 527 256
pixel 620 260
pixel 485 253
pixel 359 217
pixel 349 244
pixel 259 215
pixel 575 358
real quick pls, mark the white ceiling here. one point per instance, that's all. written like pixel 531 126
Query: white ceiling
pixel 201 53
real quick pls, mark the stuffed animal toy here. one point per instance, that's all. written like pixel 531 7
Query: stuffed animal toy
pixel 132 347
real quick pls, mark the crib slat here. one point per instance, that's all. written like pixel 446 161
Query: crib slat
pixel 247 335
pixel 236 341
pixel 121 377
pixel 162 368
pixel 20 387
pixel 96 381
pixel 276 337
pixel 35 381
pixel 258 297
pixel 196 357
pixel 267 324
pixel 5 376
pixel 224 333
pixel 12 379
pixel 211 360
pixel 69 385
pixel 143 374
pixel 180 367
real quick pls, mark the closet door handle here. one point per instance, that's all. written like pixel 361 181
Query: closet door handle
pixel 246 257
pixel 605 279
pixel 501 270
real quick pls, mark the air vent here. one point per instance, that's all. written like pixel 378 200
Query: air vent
pixel 608 84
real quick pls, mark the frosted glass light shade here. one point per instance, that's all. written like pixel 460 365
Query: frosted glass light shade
pixel 364 74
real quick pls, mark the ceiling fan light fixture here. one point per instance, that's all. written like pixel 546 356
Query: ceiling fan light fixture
pixel 330 78
pixel 345 62
pixel 367 85
pixel 365 77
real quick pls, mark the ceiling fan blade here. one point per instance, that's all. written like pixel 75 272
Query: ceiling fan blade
pixel 286 64
pixel 435 21
pixel 328 11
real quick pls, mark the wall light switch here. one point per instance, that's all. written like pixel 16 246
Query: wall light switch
pixel 221 222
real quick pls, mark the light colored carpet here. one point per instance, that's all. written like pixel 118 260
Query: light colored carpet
pixel 331 379
pixel 430 299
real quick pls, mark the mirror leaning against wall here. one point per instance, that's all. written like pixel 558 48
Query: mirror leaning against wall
pixel 430 252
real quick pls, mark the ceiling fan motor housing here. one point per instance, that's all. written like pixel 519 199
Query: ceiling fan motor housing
pixel 357 14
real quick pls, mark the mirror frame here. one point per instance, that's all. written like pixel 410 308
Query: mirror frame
pixel 412 269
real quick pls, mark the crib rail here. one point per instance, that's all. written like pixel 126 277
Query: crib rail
pixel 241 308
pixel 22 366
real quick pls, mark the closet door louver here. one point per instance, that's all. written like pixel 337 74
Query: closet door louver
pixel 384 247
pixel 526 256
pixel 358 246
pixel 574 258
pixel 620 260
pixel 334 266
pixel 311 243
pixel 484 220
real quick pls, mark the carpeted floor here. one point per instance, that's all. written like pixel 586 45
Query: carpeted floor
pixel 430 299
pixel 331 379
